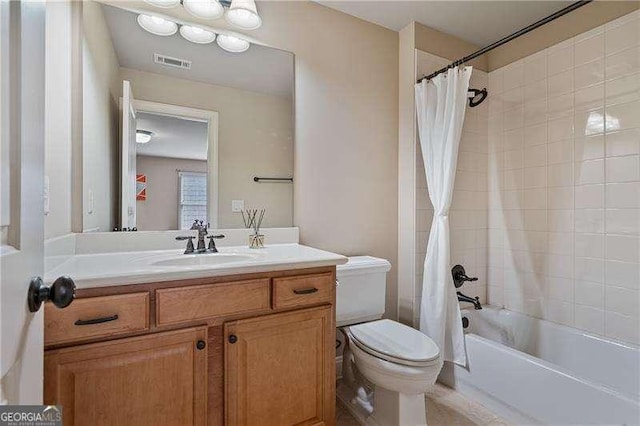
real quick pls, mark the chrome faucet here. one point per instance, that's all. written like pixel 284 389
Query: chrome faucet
pixel 202 228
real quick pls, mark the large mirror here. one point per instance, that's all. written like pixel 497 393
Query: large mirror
pixel 175 131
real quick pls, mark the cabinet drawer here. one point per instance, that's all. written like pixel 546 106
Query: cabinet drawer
pixel 175 305
pixel 303 290
pixel 96 317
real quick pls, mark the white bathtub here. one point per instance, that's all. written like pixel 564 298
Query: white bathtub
pixel 532 371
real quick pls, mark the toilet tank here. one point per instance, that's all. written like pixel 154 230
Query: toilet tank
pixel 360 295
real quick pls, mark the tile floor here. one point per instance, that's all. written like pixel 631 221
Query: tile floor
pixel 445 407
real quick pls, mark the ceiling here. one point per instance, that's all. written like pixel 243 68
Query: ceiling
pixel 479 22
pixel 259 69
pixel 172 137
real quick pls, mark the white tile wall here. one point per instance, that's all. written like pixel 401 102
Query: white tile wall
pixel 468 216
pixel 563 172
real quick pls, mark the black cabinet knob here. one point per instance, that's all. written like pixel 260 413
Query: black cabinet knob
pixel 61 293
pixel 201 345
pixel 233 338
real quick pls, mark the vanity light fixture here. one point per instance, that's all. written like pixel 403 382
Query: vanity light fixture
pixel 232 44
pixel 157 25
pixel 163 3
pixel 243 14
pixel 197 35
pixel 205 9
pixel 143 136
pixel 163 27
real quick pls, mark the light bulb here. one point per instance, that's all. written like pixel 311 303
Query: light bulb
pixel 163 3
pixel 243 14
pixel 206 9
pixel 157 25
pixel 143 136
pixel 197 35
pixel 232 44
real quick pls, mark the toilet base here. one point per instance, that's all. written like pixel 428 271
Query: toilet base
pixel 390 408
pixel 398 409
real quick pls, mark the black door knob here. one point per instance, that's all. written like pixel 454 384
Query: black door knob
pixel 201 345
pixel 61 293
pixel 233 338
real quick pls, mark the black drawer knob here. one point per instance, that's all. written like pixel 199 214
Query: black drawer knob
pixel 233 338
pixel 201 345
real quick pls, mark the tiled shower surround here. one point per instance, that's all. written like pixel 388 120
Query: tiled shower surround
pixel 562 191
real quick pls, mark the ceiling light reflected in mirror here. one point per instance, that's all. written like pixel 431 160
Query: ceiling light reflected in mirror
pixel 232 44
pixel 143 136
pixel 205 9
pixel 243 14
pixel 197 35
pixel 157 25
pixel 163 3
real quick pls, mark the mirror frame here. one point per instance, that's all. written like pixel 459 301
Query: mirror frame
pixel 194 114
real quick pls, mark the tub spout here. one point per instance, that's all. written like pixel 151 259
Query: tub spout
pixel 464 298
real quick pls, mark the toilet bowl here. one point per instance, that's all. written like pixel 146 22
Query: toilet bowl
pixel 401 362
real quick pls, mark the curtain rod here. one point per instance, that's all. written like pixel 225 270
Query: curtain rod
pixel 561 12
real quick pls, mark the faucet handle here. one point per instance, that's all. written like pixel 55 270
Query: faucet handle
pixel 460 276
pixel 212 244
pixel 190 248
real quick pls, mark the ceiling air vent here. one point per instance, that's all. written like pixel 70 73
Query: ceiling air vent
pixel 172 62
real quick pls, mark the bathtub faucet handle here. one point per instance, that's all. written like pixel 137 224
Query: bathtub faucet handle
pixel 460 276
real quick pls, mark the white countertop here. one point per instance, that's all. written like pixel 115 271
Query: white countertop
pixel 111 269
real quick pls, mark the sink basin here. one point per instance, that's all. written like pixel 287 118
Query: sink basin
pixel 203 259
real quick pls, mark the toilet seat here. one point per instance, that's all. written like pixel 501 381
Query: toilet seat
pixel 396 343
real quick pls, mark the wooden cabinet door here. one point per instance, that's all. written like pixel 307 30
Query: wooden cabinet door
pixel 280 369
pixel 159 379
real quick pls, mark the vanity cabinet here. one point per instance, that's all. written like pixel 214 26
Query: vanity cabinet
pixel 159 379
pixel 276 369
pixel 251 349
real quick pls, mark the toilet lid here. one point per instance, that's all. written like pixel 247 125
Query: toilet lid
pixel 395 342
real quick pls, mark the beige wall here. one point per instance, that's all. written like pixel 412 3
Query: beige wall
pixel 100 96
pixel 254 139
pixel 346 156
pixel 159 212
pixel 445 46
pixel 406 174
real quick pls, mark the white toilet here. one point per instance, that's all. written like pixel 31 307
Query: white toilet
pixel 400 361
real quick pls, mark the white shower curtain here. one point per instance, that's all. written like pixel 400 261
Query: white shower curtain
pixel 440 107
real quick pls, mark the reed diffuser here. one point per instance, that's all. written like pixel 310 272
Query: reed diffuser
pixel 252 219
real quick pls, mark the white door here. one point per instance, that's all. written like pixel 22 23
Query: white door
pixel 22 58
pixel 128 160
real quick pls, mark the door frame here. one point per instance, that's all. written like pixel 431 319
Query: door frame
pixel 206 116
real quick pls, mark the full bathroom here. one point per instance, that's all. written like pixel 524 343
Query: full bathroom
pixel 382 213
